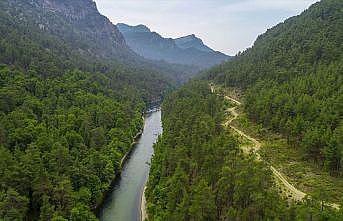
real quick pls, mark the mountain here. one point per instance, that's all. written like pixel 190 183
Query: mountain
pixel 72 94
pixel 191 41
pixel 76 22
pixel 188 50
pixel 73 34
pixel 293 82
pixel 127 28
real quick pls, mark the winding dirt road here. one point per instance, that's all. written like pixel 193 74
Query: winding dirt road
pixel 286 189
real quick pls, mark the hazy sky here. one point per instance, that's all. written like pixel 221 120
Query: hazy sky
pixel 225 25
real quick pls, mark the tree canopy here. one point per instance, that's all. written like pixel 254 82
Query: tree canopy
pixel 198 171
pixel 293 82
pixel 62 140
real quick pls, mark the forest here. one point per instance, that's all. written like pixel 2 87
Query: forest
pixel 67 114
pixel 61 142
pixel 64 44
pixel 292 81
pixel 199 173
pixel 72 96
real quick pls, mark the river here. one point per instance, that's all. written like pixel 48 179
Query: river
pixel 123 203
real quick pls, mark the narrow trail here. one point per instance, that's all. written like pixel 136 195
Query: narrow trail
pixel 286 189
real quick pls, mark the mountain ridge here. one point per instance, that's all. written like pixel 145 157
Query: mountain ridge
pixel 80 36
pixel 187 50
pixel 192 41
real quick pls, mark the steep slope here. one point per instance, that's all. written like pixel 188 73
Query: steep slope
pixel 188 50
pixel 51 35
pixel 61 142
pixel 191 41
pixel 198 171
pixel 71 100
pixel 76 23
pixel 293 76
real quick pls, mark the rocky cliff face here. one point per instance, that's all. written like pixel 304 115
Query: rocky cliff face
pixel 73 33
pixel 75 9
pixel 74 21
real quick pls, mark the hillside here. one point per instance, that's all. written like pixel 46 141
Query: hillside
pixel 63 28
pixel 199 171
pixel 72 95
pixel 50 36
pixel 188 50
pixel 293 82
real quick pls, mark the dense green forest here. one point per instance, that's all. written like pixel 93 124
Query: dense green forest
pixel 199 173
pixel 49 43
pixel 292 80
pixel 72 96
pixel 71 101
pixel 61 142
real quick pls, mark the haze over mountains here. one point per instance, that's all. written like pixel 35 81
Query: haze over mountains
pixel 66 71
pixel 74 89
pixel 187 50
pixel 75 31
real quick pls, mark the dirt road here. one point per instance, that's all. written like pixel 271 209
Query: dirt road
pixel 286 188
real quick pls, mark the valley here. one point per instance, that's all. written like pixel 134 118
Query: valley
pixel 101 120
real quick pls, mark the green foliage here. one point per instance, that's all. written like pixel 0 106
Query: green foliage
pixel 71 98
pixel 293 81
pixel 81 213
pixel 12 205
pixel 198 171
pixel 47 43
pixel 62 139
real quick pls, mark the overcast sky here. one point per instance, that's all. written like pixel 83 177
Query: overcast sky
pixel 229 26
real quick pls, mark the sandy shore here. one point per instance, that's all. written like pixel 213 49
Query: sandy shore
pixel 143 206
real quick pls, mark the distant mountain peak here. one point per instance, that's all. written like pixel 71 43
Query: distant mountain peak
pixel 192 41
pixel 187 50
pixel 128 28
pixel 189 37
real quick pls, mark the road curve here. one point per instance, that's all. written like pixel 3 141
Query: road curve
pixel 287 189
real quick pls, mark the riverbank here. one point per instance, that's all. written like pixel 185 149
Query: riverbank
pixel 117 173
pixel 125 203
pixel 133 145
pixel 144 214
